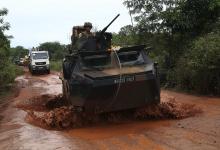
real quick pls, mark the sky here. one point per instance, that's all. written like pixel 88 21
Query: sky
pixel 37 21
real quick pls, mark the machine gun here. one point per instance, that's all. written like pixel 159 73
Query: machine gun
pixel 100 34
pixel 103 30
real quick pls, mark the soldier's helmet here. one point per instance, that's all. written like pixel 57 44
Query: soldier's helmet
pixel 87 24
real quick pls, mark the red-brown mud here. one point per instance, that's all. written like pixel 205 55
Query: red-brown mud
pixel 168 110
pixel 43 102
pixel 65 117
pixel 50 111
pixel 174 124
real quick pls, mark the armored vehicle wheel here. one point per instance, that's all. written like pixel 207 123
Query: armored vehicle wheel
pixel 66 92
pixel 32 72
pixel 48 71
pixel 67 70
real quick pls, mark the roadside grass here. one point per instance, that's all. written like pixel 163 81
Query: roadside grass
pixel 4 93
pixel 56 65
pixel 19 70
pixel 9 76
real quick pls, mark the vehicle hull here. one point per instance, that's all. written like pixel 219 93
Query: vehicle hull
pixel 115 93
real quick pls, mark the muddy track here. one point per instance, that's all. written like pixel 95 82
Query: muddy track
pixel 165 130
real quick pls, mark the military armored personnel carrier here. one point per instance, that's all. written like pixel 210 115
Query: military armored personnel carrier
pixel 97 78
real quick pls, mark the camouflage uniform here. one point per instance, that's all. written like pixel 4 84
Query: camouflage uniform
pixel 86 33
pixel 84 36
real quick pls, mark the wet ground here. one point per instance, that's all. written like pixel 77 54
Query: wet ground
pixel 201 131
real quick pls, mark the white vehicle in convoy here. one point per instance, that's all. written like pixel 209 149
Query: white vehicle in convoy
pixel 39 61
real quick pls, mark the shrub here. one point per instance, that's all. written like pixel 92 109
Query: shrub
pixel 56 65
pixel 199 69
pixel 8 74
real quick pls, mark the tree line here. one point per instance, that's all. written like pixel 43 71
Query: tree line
pixel 8 71
pixel 8 54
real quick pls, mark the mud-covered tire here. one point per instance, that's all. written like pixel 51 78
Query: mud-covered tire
pixel 66 91
pixel 32 72
pixel 66 70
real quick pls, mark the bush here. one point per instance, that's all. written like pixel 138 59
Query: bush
pixel 199 69
pixel 56 65
pixel 8 74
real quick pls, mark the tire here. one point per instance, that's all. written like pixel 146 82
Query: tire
pixel 66 91
pixel 31 71
pixel 65 68
pixel 48 71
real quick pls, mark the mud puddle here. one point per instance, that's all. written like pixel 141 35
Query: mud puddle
pixel 54 114
pixel 43 102
pixel 41 98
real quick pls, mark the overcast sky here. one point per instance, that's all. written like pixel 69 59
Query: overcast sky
pixel 37 21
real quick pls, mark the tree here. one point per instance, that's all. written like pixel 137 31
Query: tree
pixel 191 16
pixel 148 13
pixel 18 52
pixel 125 37
pixel 4 42
pixel 183 33
pixel 178 22
pixel 150 27
pixel 55 49
pixel 7 70
pixel 199 69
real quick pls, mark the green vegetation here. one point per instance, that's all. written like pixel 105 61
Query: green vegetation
pixel 185 36
pixel 56 65
pixel 199 68
pixel 18 52
pixel 8 71
pixel 55 49
pixel 56 52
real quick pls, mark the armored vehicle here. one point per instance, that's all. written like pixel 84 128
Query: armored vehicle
pixel 98 78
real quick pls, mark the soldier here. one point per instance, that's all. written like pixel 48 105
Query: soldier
pixel 86 40
pixel 87 33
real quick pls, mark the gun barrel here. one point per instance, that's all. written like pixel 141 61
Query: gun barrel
pixel 110 24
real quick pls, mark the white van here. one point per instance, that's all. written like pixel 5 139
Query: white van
pixel 39 61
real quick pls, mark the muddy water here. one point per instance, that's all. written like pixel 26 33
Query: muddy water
pixel 199 132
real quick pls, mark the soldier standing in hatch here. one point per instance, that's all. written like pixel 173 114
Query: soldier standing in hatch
pixel 87 33
pixel 86 39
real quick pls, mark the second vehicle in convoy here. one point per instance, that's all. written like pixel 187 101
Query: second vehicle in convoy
pixel 39 62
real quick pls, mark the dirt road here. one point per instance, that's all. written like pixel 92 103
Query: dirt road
pixel 199 132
